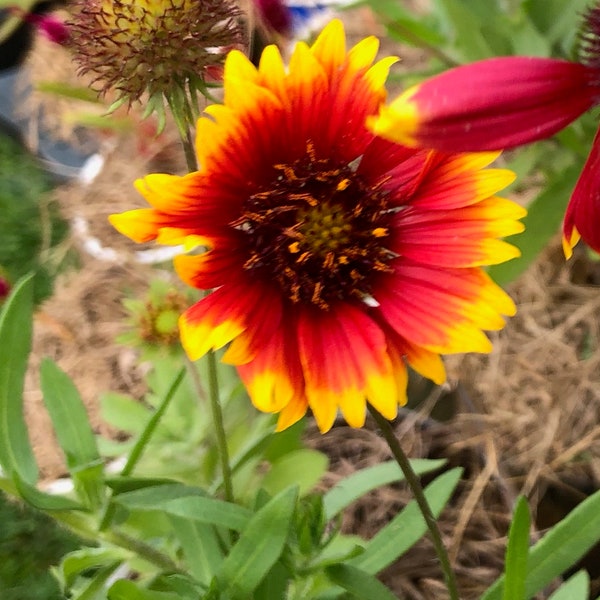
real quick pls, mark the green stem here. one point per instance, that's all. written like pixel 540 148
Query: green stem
pixel 143 550
pixel 81 526
pixel 417 490
pixel 141 443
pixel 217 417
pixel 189 151
pixel 213 378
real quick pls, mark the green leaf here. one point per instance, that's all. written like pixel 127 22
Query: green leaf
pixel 260 545
pixel 466 29
pixel 274 585
pixel 73 432
pixel 358 583
pixel 127 590
pixel 407 527
pixel 95 588
pixel 41 500
pixel 575 588
pixel 208 510
pixel 77 562
pixel 181 584
pixel 542 222
pixel 358 484
pixel 66 90
pixel 516 552
pixel 200 546
pixel 303 468
pixel 124 412
pixel 16 318
pixel 149 497
pixel 121 485
pixel 554 20
pixel 69 417
pixel 559 549
pixel 188 503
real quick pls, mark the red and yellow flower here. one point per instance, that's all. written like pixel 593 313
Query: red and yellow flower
pixel 501 103
pixel 336 258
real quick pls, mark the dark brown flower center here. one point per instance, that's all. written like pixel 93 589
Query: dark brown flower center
pixel 318 230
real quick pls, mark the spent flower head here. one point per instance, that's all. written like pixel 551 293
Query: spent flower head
pixel 167 49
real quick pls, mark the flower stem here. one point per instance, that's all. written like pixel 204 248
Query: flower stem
pixel 82 526
pixel 417 490
pixel 190 153
pixel 217 417
pixel 213 379
pixel 142 442
pixel 140 445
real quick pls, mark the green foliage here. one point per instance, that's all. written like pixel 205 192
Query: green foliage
pixel 31 227
pixel 516 552
pixel 30 542
pixel 559 549
pixel 161 521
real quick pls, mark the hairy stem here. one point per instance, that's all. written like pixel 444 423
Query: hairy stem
pixel 415 485
pixel 213 379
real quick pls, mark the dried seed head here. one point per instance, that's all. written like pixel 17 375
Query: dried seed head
pixel 589 37
pixel 158 47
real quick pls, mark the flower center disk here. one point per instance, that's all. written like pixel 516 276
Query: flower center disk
pixel 318 230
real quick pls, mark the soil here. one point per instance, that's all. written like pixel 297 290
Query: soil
pixel 523 420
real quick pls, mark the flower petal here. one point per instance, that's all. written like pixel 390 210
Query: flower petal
pixel 463 237
pixel 344 359
pixel 442 310
pixel 219 318
pixel 582 218
pixel 273 378
pixel 490 104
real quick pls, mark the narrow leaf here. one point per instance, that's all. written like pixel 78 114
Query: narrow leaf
pixel 69 417
pixel 41 500
pixel 196 508
pixel 73 432
pixel 149 497
pixel 358 484
pixel 575 588
pixel 121 485
pixel 260 545
pixel 95 588
pixel 303 468
pixel 516 552
pixel 559 549
pixel 200 546
pixel 127 590
pixel 358 583
pixel 207 510
pixel 16 321
pixel 407 528
pixel 77 562
pixel 274 585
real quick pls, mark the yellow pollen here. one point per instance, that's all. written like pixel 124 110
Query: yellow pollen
pixel 342 185
pixel 294 247
pixel 380 232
